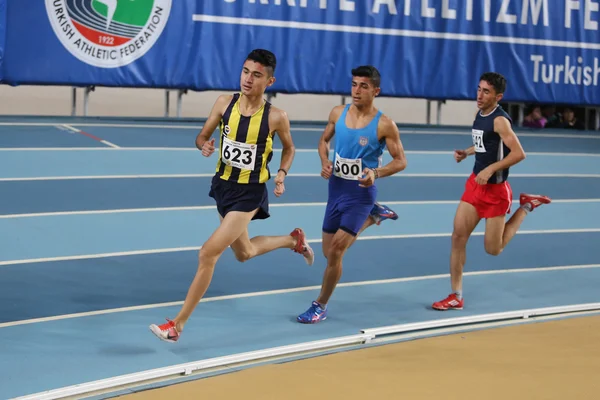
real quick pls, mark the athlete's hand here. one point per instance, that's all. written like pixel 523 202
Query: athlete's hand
pixel 208 147
pixel 369 178
pixel 484 176
pixel 460 155
pixel 326 169
pixel 279 186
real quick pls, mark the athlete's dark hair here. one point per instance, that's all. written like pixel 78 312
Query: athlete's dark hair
pixel 264 57
pixel 496 80
pixel 368 71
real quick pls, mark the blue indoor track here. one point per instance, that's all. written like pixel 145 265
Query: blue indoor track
pixel 101 221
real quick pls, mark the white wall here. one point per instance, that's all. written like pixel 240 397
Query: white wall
pixel 55 101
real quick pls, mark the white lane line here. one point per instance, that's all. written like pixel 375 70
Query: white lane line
pixel 106 142
pixel 291 290
pixel 298 127
pixel 297 175
pixel 212 207
pixel 179 249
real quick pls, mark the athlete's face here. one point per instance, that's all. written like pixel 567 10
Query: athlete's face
pixel 487 96
pixel 363 91
pixel 255 78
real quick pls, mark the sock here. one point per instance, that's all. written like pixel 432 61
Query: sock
pixel 527 207
pixel 323 306
pixel 458 294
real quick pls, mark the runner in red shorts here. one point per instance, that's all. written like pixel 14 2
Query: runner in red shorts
pixel 488 194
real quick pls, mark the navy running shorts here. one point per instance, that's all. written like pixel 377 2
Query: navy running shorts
pixel 244 197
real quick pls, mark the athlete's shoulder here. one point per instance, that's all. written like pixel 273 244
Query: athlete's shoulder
pixel 500 113
pixel 277 113
pixel 277 117
pixel 502 122
pixel 387 124
pixel 336 112
pixel 224 100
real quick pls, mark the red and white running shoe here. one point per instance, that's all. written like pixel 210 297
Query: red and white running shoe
pixel 166 332
pixel 535 200
pixel 449 303
pixel 302 246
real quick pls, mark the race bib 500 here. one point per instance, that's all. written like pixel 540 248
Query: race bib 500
pixel 347 168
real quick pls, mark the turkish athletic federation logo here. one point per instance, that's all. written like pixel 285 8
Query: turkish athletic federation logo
pixel 108 33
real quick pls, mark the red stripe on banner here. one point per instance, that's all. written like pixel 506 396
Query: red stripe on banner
pixel 100 38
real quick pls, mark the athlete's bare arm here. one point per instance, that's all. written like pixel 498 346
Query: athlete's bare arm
pixel 280 124
pixel 212 122
pixel 328 133
pixel 510 139
pixel 389 130
pixel 460 155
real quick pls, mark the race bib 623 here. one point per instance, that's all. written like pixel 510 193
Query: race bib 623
pixel 238 154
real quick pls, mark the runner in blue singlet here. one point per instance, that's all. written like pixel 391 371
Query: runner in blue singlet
pixel 362 133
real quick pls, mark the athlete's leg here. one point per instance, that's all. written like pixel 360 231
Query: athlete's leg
pixel 331 223
pixel 379 213
pixel 232 226
pixel 498 233
pixel 340 242
pixel 465 221
pixel 326 242
pixel 246 248
pixel 352 219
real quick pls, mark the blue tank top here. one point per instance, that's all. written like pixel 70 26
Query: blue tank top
pixel 356 149
pixel 489 147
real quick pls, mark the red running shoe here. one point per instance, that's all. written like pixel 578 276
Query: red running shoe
pixel 449 303
pixel 535 200
pixel 302 246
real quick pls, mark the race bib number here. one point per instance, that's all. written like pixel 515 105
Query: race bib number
pixel 239 155
pixel 347 168
pixel 478 141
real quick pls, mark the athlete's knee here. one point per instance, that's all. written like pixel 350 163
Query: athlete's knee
pixel 208 255
pixel 337 248
pixel 459 237
pixel 326 243
pixel 242 255
pixel 493 249
pixel 325 251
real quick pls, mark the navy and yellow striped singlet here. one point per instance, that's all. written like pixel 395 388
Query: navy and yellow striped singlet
pixel 246 145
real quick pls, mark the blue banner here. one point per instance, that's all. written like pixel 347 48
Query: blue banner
pixel 2 35
pixel 549 50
